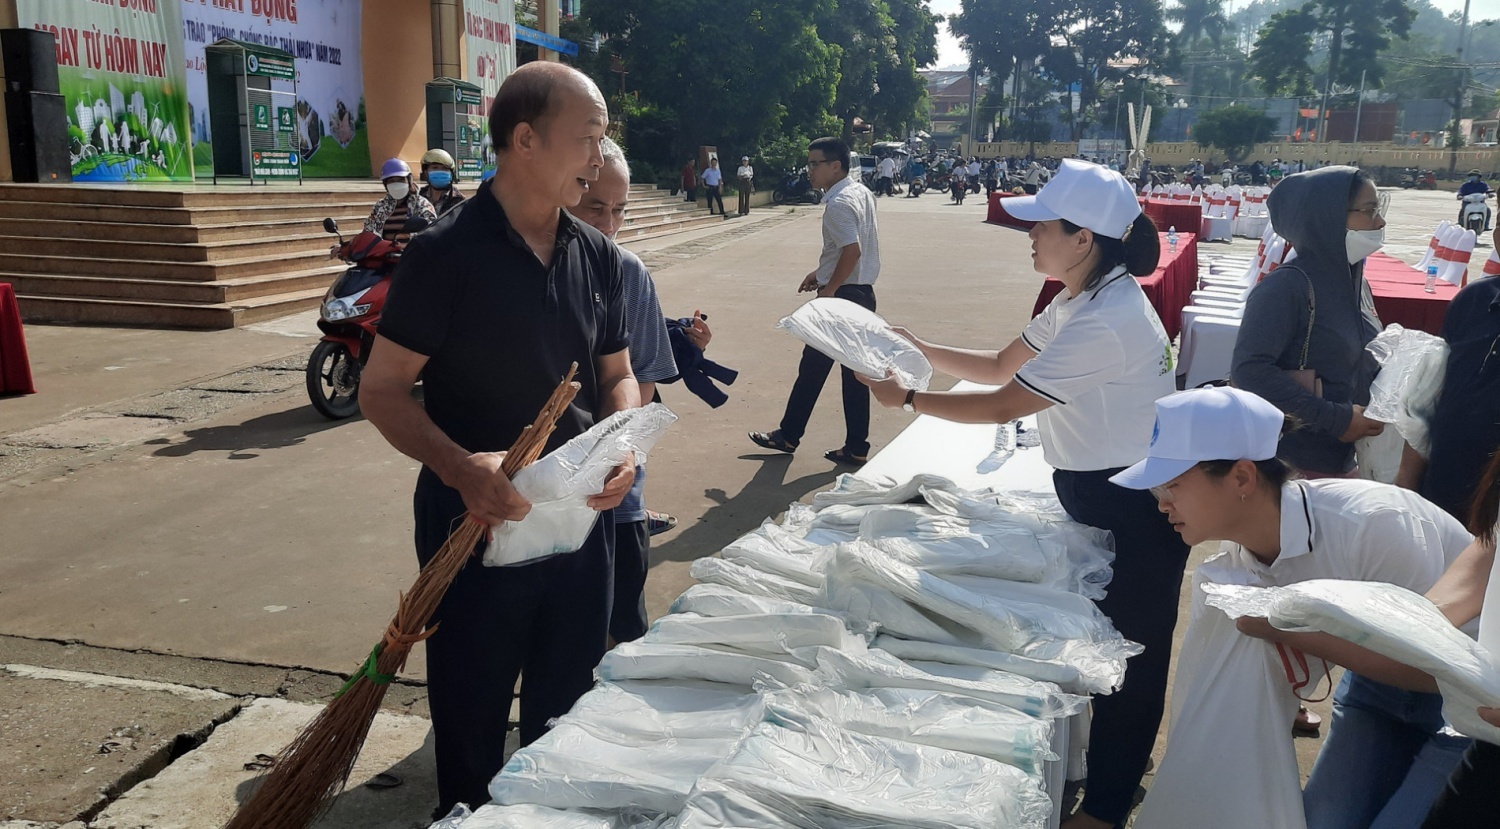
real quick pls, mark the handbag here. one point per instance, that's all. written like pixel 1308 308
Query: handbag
pixel 1307 378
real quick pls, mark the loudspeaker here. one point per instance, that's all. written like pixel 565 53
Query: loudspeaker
pixel 30 60
pixel 38 127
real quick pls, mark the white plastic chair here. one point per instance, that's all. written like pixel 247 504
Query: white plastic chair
pixel 1492 264
pixel 1207 352
pixel 1455 269
pixel 1432 245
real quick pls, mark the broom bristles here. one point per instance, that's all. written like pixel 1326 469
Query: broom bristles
pixel 311 771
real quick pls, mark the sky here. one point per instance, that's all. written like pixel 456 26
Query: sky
pixel 950 54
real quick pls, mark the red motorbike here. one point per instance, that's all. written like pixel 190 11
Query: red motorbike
pixel 348 320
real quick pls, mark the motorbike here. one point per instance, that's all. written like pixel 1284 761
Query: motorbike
pixel 348 319
pixel 1415 178
pixel 959 187
pixel 918 186
pixel 796 189
pixel 1475 212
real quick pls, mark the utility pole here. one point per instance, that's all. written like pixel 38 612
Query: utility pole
pixel 1359 105
pixel 1458 94
pixel 973 101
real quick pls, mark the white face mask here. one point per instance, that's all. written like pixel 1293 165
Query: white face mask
pixel 1359 244
pixel 398 190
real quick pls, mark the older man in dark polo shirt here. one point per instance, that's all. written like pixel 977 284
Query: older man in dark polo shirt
pixel 490 306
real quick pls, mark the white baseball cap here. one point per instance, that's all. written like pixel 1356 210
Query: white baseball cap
pixel 1214 424
pixel 1085 194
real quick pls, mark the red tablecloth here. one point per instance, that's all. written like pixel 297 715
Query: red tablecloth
pixel 15 366
pixel 998 216
pixel 1399 297
pixel 1169 288
pixel 1185 216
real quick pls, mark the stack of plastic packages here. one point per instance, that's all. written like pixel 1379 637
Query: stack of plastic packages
pixel 889 656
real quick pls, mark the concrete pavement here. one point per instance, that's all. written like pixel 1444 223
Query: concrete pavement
pixel 232 539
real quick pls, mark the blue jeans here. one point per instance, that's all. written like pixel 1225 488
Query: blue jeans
pixel 1384 762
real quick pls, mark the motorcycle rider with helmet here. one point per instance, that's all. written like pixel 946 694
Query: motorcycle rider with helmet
pixel 1474 185
pixel 401 202
pixel 440 173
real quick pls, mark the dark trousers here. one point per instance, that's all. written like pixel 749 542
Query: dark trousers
pixel 711 195
pixel 812 373
pixel 1471 798
pixel 745 190
pixel 1142 603
pixel 546 621
pixel 883 186
pixel 691 193
pixel 627 621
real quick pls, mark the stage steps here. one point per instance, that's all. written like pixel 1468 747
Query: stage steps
pixel 206 257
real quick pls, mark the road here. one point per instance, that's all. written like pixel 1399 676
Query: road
pixel 175 511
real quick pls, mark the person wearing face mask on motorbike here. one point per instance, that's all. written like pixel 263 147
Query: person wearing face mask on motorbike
pixel 401 202
pixel 1301 344
pixel 438 171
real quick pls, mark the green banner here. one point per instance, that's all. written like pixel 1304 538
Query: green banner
pixel 262 119
pixel 123 76
pixel 269 65
pixel 273 164
pixel 286 119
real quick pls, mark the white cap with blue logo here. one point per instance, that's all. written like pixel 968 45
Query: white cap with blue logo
pixel 1214 424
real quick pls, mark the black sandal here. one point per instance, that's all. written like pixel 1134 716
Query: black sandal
pixel 845 457
pixel 773 441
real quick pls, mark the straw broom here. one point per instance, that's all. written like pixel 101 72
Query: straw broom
pixel 311 771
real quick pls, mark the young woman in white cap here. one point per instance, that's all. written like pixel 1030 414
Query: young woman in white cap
pixel 1091 366
pixel 1213 470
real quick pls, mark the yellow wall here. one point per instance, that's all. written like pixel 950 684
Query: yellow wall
pixel 1367 154
pixel 396 51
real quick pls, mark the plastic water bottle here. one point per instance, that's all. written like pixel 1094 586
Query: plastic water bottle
pixel 1430 286
pixel 1172 239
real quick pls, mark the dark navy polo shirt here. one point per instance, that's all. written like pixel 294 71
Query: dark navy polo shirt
pixel 1466 425
pixel 499 329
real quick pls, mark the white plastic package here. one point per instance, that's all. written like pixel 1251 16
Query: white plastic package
pixel 860 339
pixel 944 544
pixel 714 570
pixel 878 669
pixel 858 600
pixel 930 718
pixel 1064 676
pixel 642 660
pixel 1405 391
pixel 770 634
pixel 560 484
pixel 1230 760
pixel 1391 621
pixel 527 816
pixel 857 490
pixel 818 776
pixel 775 550
pixel 627 749
pixel 719 600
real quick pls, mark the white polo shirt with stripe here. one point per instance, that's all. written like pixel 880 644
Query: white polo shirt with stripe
pixel 849 217
pixel 1103 359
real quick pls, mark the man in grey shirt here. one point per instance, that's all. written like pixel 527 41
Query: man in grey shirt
pixel 847 269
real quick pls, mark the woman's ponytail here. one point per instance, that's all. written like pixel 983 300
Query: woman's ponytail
pixel 1142 249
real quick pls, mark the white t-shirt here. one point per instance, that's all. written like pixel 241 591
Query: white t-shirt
pixel 973 168
pixel 887 167
pixel 1360 531
pixel 849 217
pixel 1489 614
pixel 1103 359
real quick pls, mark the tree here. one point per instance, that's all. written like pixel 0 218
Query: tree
pixel 999 36
pixel 1089 36
pixel 1234 129
pixel 1357 31
pixel 881 45
pixel 1200 19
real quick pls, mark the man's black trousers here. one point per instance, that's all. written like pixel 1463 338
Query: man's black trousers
pixel 545 622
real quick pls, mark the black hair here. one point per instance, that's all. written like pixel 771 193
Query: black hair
pixel 832 149
pixel 1139 251
pixel 1274 472
pixel 1361 178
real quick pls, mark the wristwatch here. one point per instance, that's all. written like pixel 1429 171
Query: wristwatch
pixel 911 396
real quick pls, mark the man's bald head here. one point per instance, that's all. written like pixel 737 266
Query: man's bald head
pixel 532 95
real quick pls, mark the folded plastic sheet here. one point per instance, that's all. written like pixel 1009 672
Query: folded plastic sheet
pixel 878 669
pixel 856 490
pixel 641 660
pixel 858 600
pixel 627 749
pixel 720 600
pixel 527 816
pixel 943 544
pixel 1017 618
pixel 748 579
pixel 859 339
pixel 1065 676
pixel 560 484
pixel 772 549
pixel 931 718
pixel 770 634
pixel 1405 391
pixel 1389 620
pixel 818 776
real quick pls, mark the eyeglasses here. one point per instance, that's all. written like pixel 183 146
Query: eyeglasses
pixel 1165 493
pixel 815 162
pixel 1383 204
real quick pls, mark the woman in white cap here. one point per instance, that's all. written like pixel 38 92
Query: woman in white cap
pixel 1213 470
pixel 1091 366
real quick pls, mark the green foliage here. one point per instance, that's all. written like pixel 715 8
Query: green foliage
pixel 1279 59
pixel 1456 137
pixel 1235 129
pixel 1357 32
